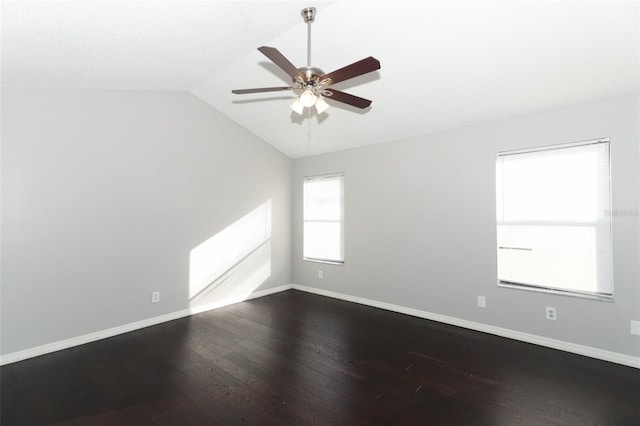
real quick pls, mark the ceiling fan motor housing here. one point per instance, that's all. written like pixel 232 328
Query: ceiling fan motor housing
pixel 311 74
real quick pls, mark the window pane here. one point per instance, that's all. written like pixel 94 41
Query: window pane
pixel 560 184
pixel 323 240
pixel 323 199
pixel 561 257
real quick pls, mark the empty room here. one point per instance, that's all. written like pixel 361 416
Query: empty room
pixel 331 212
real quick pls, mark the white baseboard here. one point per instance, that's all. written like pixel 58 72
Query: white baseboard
pixel 589 351
pixel 114 331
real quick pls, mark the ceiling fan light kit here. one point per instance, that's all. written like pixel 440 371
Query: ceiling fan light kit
pixel 312 81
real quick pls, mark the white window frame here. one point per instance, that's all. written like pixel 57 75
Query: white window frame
pixel 305 219
pixel 602 229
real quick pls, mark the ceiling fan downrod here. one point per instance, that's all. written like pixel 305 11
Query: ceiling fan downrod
pixel 309 15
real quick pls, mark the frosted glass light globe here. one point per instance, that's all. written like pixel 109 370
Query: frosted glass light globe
pixel 297 106
pixel 321 105
pixel 308 98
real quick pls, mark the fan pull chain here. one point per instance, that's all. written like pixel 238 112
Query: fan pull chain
pixel 309 125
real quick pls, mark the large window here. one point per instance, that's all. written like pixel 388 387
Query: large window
pixel 323 218
pixel 553 219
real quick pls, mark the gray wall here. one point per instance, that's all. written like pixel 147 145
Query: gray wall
pixel 420 225
pixel 105 194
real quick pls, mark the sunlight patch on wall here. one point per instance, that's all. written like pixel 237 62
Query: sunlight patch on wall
pixel 233 262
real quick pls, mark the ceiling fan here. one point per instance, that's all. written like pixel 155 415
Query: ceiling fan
pixel 312 81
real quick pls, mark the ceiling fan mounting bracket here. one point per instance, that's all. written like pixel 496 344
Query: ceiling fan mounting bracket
pixel 308 14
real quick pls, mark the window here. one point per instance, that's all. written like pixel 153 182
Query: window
pixel 323 218
pixel 553 219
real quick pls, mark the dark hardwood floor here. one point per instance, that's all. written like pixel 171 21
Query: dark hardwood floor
pixel 294 358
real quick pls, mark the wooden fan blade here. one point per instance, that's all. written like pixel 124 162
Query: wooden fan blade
pixel 346 98
pixel 279 59
pixel 357 68
pixel 260 90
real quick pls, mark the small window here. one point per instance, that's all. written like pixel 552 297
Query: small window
pixel 323 234
pixel 553 219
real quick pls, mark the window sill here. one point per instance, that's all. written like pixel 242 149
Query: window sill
pixel 328 262
pixel 601 297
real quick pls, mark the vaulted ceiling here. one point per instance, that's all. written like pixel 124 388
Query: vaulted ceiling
pixel 445 64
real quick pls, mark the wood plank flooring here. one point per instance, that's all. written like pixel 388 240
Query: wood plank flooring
pixel 294 359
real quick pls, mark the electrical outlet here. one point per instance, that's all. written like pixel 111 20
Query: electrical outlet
pixel 635 327
pixel 320 274
pixel 551 313
pixel 482 302
pixel 155 296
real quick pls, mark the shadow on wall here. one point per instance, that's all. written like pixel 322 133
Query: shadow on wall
pixel 230 265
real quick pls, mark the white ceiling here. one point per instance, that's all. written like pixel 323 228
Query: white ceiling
pixel 445 64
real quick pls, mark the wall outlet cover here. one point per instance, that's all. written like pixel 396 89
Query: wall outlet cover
pixel 635 327
pixel 482 302
pixel 551 313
